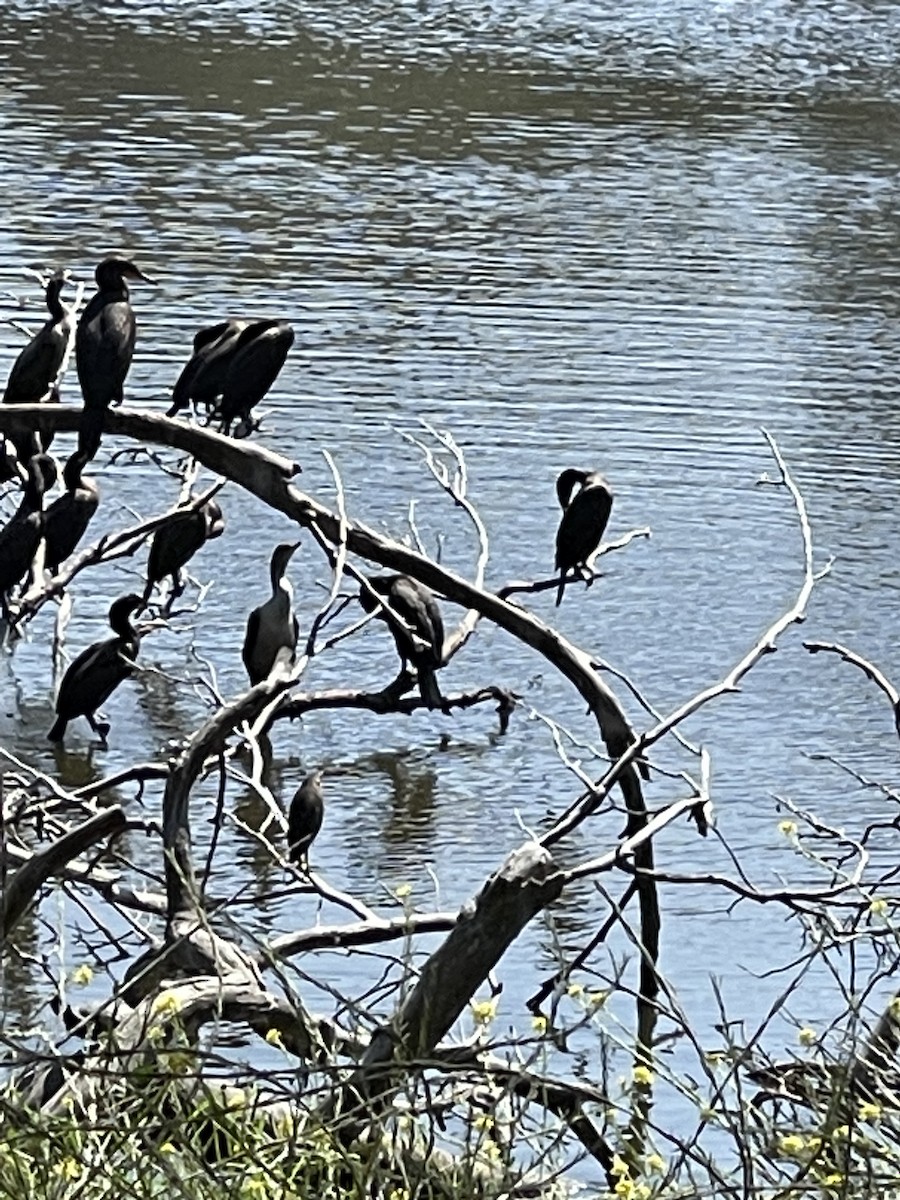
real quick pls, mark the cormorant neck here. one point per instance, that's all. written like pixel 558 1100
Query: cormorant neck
pixel 55 306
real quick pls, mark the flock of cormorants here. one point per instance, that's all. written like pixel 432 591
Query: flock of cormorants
pixel 233 365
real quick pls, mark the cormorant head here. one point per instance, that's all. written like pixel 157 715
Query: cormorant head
pixel 378 583
pixel 281 556
pixel 566 483
pixel 75 464
pixel 120 613
pixel 114 270
pixel 215 519
pixel 42 474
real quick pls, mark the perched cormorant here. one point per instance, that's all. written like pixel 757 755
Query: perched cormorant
pixel 67 518
pixel 21 536
pixel 34 372
pixel 259 354
pixel 104 345
pixel 416 606
pixel 177 541
pixel 97 671
pixel 203 378
pixel 305 818
pixel 584 519
pixel 272 628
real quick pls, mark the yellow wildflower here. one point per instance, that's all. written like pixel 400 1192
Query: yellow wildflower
pixel 642 1075
pixel 484 1121
pixel 620 1167
pixel 402 891
pixel 575 989
pixel 655 1164
pixel 82 975
pixel 273 1037
pixel 166 1004
pixel 895 1008
pixel 69 1168
pixel 878 907
pixel 839 1132
pixel 791 1144
pixel 834 1180
pixel 255 1185
pixel 484 1011
pixel 598 997
pixel 539 1023
pixel 167 1148
pixel 807 1036
pixel 788 828
pixel 869 1111
pixel 399 1194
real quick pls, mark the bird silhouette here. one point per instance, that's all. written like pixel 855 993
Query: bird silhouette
pixel 585 517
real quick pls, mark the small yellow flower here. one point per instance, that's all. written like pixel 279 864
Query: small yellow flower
pixel 484 1011
pixel 839 1132
pixel 398 1194
pixel 788 828
pixel 869 1111
pixel 792 1145
pixel 574 989
pixel 167 1148
pixel 807 1036
pixel 273 1037
pixel 598 997
pixel 539 1023
pixel 642 1075
pixel 69 1168
pixel 255 1185
pixel 484 1121
pixel 403 891
pixel 82 975
pixel 166 1004
pixel 156 1034
pixel 655 1164
pixel 895 1008
pixel 620 1167
pixel 834 1180
pixel 235 1097
pixel 878 907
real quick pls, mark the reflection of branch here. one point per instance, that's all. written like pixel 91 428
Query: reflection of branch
pixel 37 869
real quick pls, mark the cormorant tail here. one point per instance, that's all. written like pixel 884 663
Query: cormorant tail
pixel 58 730
pixel 429 690
pixel 90 432
pixel 561 589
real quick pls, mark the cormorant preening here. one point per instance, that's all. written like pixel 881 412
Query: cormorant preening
pixel 305 818
pixel 34 372
pixel 67 518
pixel 259 355
pixel 176 542
pixel 585 516
pixel 97 671
pixel 21 536
pixel 417 607
pixel 272 629
pixel 104 345
pixel 203 378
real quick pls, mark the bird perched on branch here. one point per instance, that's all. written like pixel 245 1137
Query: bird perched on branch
pixel 176 542
pixel 258 356
pixel 97 671
pixel 34 373
pixel 305 818
pixel 21 536
pixel 202 379
pixel 585 517
pixel 273 629
pixel 67 518
pixel 420 637
pixel 104 346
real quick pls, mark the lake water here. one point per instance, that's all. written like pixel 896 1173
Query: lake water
pixel 626 237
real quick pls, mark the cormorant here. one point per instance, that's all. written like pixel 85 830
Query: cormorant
pixel 416 606
pixel 176 542
pixel 97 671
pixel 21 536
pixel 272 628
pixel 258 356
pixel 584 519
pixel 34 372
pixel 104 345
pixel 67 518
pixel 305 818
pixel 203 377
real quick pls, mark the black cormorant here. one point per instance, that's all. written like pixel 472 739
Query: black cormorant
pixel 97 671
pixel 305 818
pixel 21 536
pixel 417 607
pixel 259 354
pixel 104 345
pixel 585 517
pixel 176 542
pixel 203 378
pixel 272 629
pixel 35 371
pixel 67 518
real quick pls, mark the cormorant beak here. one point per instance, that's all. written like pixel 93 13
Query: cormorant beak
pixel 134 272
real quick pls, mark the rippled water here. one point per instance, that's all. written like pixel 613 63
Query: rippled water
pixel 622 239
